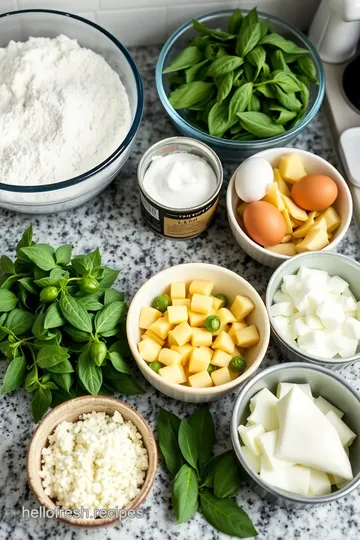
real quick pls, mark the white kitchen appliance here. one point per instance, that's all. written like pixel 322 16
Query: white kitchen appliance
pixel 335 32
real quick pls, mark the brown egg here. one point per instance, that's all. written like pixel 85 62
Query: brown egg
pixel 264 223
pixel 314 192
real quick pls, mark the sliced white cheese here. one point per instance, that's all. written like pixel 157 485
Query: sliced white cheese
pixel 268 443
pixel 249 436
pixel 285 387
pixel 308 438
pixel 252 459
pixel 262 396
pixel 263 407
pixel 286 309
pixel 325 406
pixel 319 483
pixel 293 479
pixel 347 436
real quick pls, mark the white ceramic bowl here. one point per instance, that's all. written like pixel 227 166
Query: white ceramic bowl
pixel 312 164
pixel 226 282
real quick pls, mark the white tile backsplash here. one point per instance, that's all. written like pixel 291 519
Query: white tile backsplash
pixel 143 22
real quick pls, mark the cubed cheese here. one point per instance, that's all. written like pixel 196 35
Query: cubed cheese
pixel 152 335
pixel 347 436
pixel 319 484
pixel 201 379
pixel 174 373
pixel 171 340
pixel 160 327
pixel 185 351
pixel 201 304
pixel 225 316
pixel 201 336
pixel 241 307
pixel 250 436
pixel 216 303
pixel 220 358
pixel 149 350
pixel 264 410
pixel 182 333
pixel 268 443
pixel 178 290
pixel 251 459
pixel 181 302
pixel 224 342
pixel 221 376
pixel 177 314
pixel 295 479
pixel 247 337
pixel 199 359
pixel 196 319
pixel 285 387
pixel 325 406
pixel 201 287
pixel 148 316
pixel 236 326
pixel 169 356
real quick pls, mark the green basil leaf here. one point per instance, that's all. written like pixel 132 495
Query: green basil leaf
pixel 89 373
pixel 75 313
pixel 204 103
pixel 109 316
pixel 286 80
pixel 249 19
pixel 287 100
pixel 118 362
pixel 284 115
pixel 235 129
pixel 259 124
pixel 8 300
pixel 28 284
pixel 15 374
pixel 201 42
pixel 225 86
pixel 122 347
pixel 291 58
pixel 51 355
pixel 47 282
pixel 218 120
pixel 40 256
pixel 31 380
pixel 257 58
pixel 109 277
pixel 188 443
pixel 6 265
pixel 95 257
pixel 77 335
pixel 248 39
pixel 112 332
pixel 112 295
pixel 53 317
pixel 254 104
pixel 20 321
pixel 123 384
pixel 90 302
pixel 217 34
pixel 82 265
pixel 226 516
pixel 264 28
pixel 167 429
pixel 223 65
pixel 304 95
pixel 63 367
pixel 278 61
pixel 2 324
pixel 25 241
pixel 307 68
pixel 64 380
pixel 63 254
pixel 51 385
pixel 185 493
pixel 40 403
pixel 240 100
pixel 266 90
pixel 188 94
pixel 227 476
pixel 197 72
pixel 235 22
pixel 38 327
pixel 208 470
pixel 188 57
pixel 59 396
pixel 203 426
pixel 275 40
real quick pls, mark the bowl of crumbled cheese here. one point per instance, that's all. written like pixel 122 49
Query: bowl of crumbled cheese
pixel 92 461
pixel 71 101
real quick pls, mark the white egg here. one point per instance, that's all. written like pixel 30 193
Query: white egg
pixel 253 178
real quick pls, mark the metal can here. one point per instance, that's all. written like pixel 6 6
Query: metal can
pixel 179 223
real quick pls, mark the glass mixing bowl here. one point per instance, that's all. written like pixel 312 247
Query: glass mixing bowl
pixel 227 149
pixel 72 192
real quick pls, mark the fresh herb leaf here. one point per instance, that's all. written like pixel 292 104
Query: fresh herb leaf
pixel 15 374
pixel 53 317
pixel 63 254
pixel 50 355
pixel 188 57
pixel 125 384
pixel 257 58
pixel 19 321
pixel 275 40
pixel 185 494
pixel 188 443
pixel 203 426
pixel 63 367
pixel 75 313
pixel 89 373
pixel 40 256
pixel 240 100
pixel 197 71
pixel 64 380
pixel 223 65
pixel 259 124
pixel 217 34
pixel 118 362
pixel 188 94
pixel 109 316
pixel 307 68
pixel 218 120
pixel 248 38
pixel 8 301
pixel 225 86
pixel 235 22
pixel 168 428
pixel 227 477
pixel 40 403
pixel 6 265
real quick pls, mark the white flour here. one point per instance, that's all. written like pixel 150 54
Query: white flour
pixel 63 110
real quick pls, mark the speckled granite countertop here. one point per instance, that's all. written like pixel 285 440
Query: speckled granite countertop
pixel 113 222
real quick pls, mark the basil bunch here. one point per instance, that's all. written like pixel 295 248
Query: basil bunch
pixel 62 325
pixel 244 84
pixel 201 480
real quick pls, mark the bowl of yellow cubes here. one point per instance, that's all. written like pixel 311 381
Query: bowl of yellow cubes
pixel 286 211
pixel 197 331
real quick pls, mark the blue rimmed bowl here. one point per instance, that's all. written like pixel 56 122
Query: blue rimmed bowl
pixel 227 149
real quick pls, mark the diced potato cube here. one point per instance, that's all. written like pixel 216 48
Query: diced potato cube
pixel 184 350
pixel 236 326
pixel 294 210
pixel 201 379
pixel 216 303
pixel 241 307
pixel 166 317
pixel 149 350
pixel 233 374
pixel 201 303
pixel 225 316
pixel 169 356
pixel 178 290
pixel 181 302
pixel 221 376
pixel 200 336
pixel 148 316
pixel 286 216
pixel 224 342
pixel 332 218
pixel 199 359
pixel 286 239
pixel 177 314
pixel 291 168
pixel 281 183
pixel 241 208
pixel 201 287
pixel 174 373
pixel 196 319
pixel 247 337
pixel 273 196
pixel 317 238
pixel 283 249
pixel 302 231
pixel 171 340
pixel 160 327
pixel 220 358
pixel 224 328
pixel 182 333
pixel 155 337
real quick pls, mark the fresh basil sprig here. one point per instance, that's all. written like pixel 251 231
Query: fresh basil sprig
pixel 62 325
pixel 248 68
pixel 201 480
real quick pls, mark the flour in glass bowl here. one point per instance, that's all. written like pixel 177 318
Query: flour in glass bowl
pixel 63 110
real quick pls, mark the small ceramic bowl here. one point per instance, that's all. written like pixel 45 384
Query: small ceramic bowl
pixel 70 412
pixel 226 282
pixel 334 264
pixel 313 164
pixel 323 382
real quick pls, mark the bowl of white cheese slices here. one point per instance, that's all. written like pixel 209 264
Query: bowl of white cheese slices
pixel 314 309
pixel 295 430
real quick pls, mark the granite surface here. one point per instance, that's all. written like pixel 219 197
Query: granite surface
pixel 113 223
